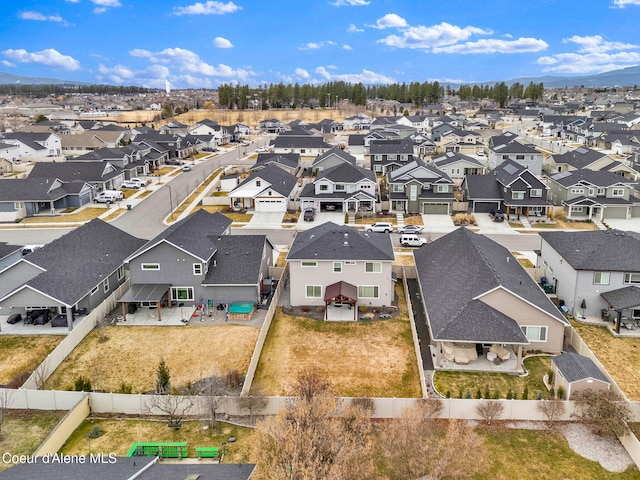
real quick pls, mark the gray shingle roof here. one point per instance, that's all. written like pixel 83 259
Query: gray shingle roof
pixel 399 146
pixel 455 270
pixel 327 242
pixel 347 157
pixel 237 260
pixel 623 298
pixel 70 171
pixel 280 181
pixel 346 172
pixel 451 157
pixel 602 250
pixel 579 158
pixel 576 367
pixel 30 189
pixel 80 260
pixel 195 234
pixel 483 187
pixel 597 178
pixel 291 160
pixel 308 141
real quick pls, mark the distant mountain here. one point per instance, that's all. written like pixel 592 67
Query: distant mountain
pixel 625 77
pixel 11 79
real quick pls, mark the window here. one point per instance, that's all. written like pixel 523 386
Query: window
pixel 197 269
pixel 601 278
pixel 592 191
pixel 105 285
pixel 534 333
pixel 602 191
pixel 182 293
pixel 632 278
pixel 413 192
pixel 519 157
pixel 517 195
pixel 577 191
pixel 373 267
pixel 337 267
pixel 120 272
pixel 314 291
pixel 150 266
pixel 577 209
pixel 536 192
pixel 367 291
pixel 398 187
pixel 443 188
pixel 377 168
pixel 349 262
pixel 339 187
pixel 617 192
pixel 505 157
pixel 324 187
pixel 391 157
pixel 308 264
pixel 94 290
pixel 18 205
pixel 258 183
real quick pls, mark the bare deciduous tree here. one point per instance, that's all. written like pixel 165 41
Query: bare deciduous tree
pixel 175 407
pixel 41 375
pixel 5 403
pixel 553 410
pixel 213 390
pixel 252 403
pixel 313 438
pixel 605 412
pixel 490 410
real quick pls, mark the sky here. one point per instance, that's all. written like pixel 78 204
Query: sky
pixel 203 44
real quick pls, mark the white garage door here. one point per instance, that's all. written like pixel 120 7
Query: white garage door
pixel 273 205
pixel 437 208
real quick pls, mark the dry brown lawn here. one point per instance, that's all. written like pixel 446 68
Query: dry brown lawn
pixel 370 359
pixel 131 355
pixel 23 353
pixel 115 214
pixel 83 215
pixel 563 225
pixel 404 259
pixel 620 356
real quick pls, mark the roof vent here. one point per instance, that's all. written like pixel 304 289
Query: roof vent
pixel 346 244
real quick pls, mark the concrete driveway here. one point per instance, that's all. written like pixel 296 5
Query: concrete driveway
pixel 487 225
pixel 321 217
pixel 633 224
pixel 265 220
pixel 434 223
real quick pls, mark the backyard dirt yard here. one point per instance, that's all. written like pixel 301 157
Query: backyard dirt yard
pixel 362 359
pixel 620 356
pixel 23 353
pixel 130 355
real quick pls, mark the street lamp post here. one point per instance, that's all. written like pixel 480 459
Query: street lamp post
pixel 170 200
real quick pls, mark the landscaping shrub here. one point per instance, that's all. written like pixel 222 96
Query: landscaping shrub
pixel 95 432
pixel 525 393
pixel 82 384
pixel 125 387
pixel 560 392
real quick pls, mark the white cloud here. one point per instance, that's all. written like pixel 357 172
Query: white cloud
pixel 40 17
pixel 366 76
pixel 594 55
pixel 220 42
pixel 7 63
pixel 624 3
pixel 188 62
pixel 302 73
pixel 595 44
pixel 347 47
pixel 390 20
pixel 102 5
pixel 317 45
pixel 490 45
pixel 350 3
pixel 435 36
pixel 49 57
pixel 207 8
pixel 99 10
pixel 352 28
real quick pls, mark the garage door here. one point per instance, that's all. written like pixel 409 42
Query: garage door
pixel 270 206
pixel 437 208
pixel 484 207
pixel 615 212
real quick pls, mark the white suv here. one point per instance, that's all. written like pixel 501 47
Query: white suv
pixel 383 227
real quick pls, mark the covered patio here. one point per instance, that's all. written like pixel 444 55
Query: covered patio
pixel 145 295
pixel 625 302
pixel 340 301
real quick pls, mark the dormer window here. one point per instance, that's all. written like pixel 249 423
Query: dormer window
pixel 258 183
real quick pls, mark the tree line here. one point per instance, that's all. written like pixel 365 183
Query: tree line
pixel 45 90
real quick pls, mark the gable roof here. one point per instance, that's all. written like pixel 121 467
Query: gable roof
pixel 289 160
pixel 300 141
pixel 70 171
pixel 482 187
pixel 335 152
pixel 346 172
pixel 452 157
pixel 195 235
pixel 458 268
pixel 80 260
pixel 237 261
pixel 329 241
pixel 576 367
pixel 606 250
pixel 278 179
pixel 598 178
pixel 34 189
pixel 579 158
pixel 395 146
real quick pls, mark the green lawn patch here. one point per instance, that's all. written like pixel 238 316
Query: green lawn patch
pixel 457 383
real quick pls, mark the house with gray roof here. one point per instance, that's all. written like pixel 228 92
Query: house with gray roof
pixel 387 155
pixel 457 165
pixel 338 267
pixel 289 162
pixel 588 194
pixel 523 154
pixel 34 145
pixel 26 197
pixel 342 187
pixel 100 175
pixel 576 373
pixel 419 188
pixel 272 125
pixel 331 158
pixel 73 273
pixel 304 145
pixel 587 158
pixel 265 190
pixel 195 261
pixel 476 295
pixel 599 269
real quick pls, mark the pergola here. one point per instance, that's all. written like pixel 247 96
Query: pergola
pixel 145 293
pixel 340 292
pixel 625 298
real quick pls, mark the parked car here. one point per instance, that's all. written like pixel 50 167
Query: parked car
pixel 142 181
pixel 244 144
pixel 496 215
pixel 130 184
pixel 309 214
pixel 384 227
pixel 109 196
pixel 412 240
pixel 173 161
pixel 261 150
pixel 410 229
pixel 186 168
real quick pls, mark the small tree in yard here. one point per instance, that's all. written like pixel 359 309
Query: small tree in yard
pixel 173 406
pixel 5 404
pixel 163 378
pixel 605 412
pixel 490 410
pixel 552 409
pixel 252 403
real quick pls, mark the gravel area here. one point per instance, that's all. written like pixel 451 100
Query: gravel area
pixel 608 452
